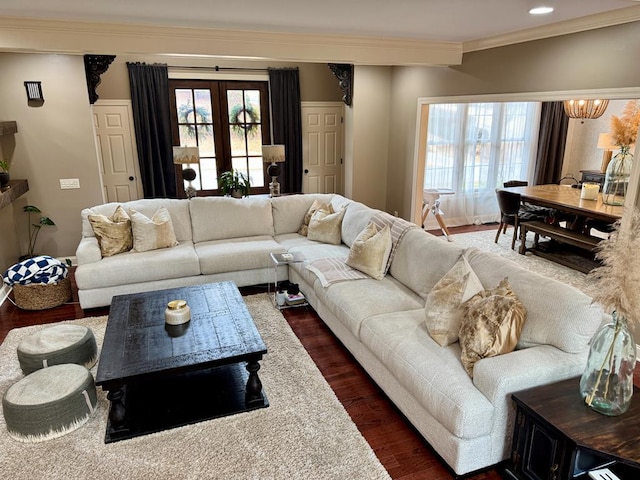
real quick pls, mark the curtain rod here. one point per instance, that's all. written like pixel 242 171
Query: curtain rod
pixel 220 69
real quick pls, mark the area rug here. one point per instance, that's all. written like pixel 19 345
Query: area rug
pixel 484 240
pixel 305 433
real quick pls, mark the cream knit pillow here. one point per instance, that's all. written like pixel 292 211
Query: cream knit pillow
pixel 370 251
pixel 152 233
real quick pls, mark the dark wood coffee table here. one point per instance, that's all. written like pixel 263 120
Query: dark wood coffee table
pixel 161 376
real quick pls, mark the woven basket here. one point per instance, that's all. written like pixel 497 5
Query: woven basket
pixel 39 296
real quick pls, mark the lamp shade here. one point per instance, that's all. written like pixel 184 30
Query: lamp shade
pixel 186 155
pixel 605 142
pixel 273 153
pixel 585 108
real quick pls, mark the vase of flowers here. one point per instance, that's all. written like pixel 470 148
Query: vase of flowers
pixel 607 382
pixel 624 130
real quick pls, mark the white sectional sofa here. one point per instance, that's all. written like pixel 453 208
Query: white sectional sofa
pixel 468 421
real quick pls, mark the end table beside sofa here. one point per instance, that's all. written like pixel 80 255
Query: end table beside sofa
pixel 468 421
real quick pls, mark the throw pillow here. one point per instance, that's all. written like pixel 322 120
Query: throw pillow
pixel 113 233
pixel 492 323
pixel 315 206
pixel 152 233
pixel 443 308
pixel 326 227
pixel 370 251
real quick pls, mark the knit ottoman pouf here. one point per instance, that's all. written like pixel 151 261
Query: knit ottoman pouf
pixel 65 343
pixel 49 403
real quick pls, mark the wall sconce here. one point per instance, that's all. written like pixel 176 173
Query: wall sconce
pixel 585 108
pixel 273 154
pixel 34 91
pixel 187 156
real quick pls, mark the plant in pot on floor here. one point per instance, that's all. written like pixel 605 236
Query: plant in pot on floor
pixel 34 229
pixel 234 183
pixel 4 173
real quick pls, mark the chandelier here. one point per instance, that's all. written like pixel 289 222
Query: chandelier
pixel 585 108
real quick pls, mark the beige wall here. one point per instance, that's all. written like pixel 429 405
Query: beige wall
pixel 54 140
pixel 597 59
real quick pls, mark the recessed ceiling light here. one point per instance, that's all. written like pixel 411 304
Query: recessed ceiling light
pixel 540 10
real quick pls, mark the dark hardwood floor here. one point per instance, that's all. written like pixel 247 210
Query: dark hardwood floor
pixel 402 451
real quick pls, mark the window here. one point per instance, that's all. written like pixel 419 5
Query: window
pixel 229 122
pixel 473 148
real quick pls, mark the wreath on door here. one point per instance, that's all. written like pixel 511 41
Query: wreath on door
pixel 244 118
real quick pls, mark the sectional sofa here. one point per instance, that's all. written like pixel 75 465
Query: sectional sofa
pixel 467 420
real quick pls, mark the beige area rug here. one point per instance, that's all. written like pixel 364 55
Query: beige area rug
pixel 484 240
pixel 305 433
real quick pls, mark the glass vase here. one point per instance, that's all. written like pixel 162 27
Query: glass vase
pixel 607 382
pixel 616 178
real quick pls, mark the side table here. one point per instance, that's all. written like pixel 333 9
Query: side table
pixel 556 436
pixel 279 260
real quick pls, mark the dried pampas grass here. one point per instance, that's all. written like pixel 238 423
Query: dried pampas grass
pixel 617 281
pixel 624 129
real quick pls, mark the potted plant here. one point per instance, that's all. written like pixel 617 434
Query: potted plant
pixel 4 173
pixel 234 183
pixel 34 229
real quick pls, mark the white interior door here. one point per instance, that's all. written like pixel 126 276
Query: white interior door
pixel 115 140
pixel 322 147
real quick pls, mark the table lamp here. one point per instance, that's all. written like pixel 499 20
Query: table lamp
pixel 605 143
pixel 273 154
pixel 187 155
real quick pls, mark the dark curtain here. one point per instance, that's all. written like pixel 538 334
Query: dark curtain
pixel 551 143
pixel 151 118
pixel 287 124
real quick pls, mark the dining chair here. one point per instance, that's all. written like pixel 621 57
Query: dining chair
pixel 511 213
pixel 515 183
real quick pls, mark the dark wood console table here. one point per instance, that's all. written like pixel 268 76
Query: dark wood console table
pixel 556 436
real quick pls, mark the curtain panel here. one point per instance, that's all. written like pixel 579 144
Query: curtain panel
pixel 284 84
pixel 552 140
pixel 151 117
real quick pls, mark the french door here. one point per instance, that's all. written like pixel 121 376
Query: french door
pixel 229 122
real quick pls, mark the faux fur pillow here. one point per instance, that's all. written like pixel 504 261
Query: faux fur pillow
pixel 492 323
pixel 443 308
pixel 370 251
pixel 152 233
pixel 326 227
pixel 315 206
pixel 113 233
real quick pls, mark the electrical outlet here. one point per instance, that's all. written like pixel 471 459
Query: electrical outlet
pixel 69 183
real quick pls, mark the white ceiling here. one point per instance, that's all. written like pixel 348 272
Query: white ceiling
pixel 458 21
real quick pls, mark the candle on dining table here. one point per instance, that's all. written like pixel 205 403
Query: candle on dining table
pixel 590 191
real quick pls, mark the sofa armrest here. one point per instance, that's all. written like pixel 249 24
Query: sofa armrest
pixel 88 251
pixel 498 377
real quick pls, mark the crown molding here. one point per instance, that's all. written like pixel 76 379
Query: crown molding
pixel 591 22
pixel 76 37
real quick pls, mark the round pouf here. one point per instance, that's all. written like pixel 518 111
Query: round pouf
pixel 49 403
pixel 65 343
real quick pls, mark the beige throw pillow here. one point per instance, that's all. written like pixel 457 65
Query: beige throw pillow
pixel 370 251
pixel 492 323
pixel 326 227
pixel 443 308
pixel 113 233
pixel 152 233
pixel 315 206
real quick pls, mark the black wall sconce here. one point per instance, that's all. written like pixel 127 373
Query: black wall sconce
pixel 34 91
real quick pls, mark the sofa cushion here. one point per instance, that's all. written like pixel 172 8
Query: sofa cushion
pixel 432 374
pixel 113 232
pixel 443 308
pixel 356 218
pixel 140 267
pixel 249 253
pixel 152 233
pixel 178 209
pixel 314 251
pixel 493 320
pixel 370 251
pixel 325 226
pixel 422 259
pixel 290 210
pixel 219 218
pixel 580 318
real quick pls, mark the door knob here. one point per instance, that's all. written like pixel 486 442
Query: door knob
pixel 306 170
pixel 131 179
